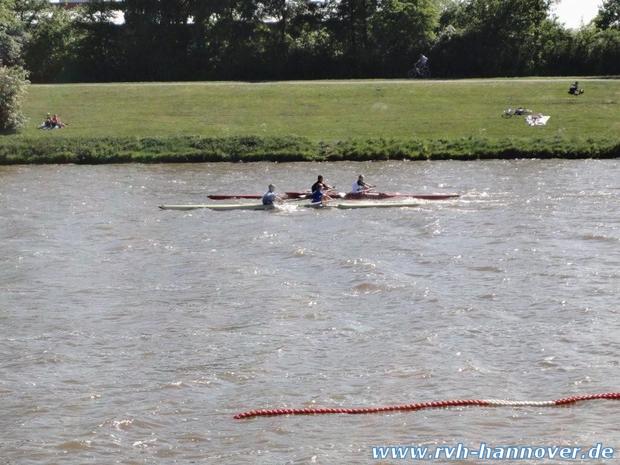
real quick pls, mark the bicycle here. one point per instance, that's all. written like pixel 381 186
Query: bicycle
pixel 510 112
pixel 422 71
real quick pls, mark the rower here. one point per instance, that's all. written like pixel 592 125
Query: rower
pixel 320 185
pixel 360 186
pixel 270 196
pixel 319 197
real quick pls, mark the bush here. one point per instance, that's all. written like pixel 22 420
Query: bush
pixel 13 85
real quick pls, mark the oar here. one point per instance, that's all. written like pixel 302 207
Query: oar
pixel 297 199
pixel 331 193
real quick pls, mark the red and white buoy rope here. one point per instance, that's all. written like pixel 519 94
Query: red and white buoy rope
pixel 429 405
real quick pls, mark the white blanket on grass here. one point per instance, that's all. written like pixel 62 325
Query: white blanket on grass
pixel 537 120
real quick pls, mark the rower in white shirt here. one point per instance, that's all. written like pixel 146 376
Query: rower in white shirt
pixel 360 186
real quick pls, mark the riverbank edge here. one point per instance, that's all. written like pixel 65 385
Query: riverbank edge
pixel 196 149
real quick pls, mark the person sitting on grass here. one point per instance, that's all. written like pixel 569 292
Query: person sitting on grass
pixel 574 89
pixel 47 124
pixel 57 123
pixel 52 122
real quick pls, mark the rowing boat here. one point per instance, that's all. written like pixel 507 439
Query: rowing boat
pixel 395 195
pixel 234 196
pixel 221 206
pixel 287 195
pixel 254 206
pixel 348 196
pixel 236 206
pixel 351 205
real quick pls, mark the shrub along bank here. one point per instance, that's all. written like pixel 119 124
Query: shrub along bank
pixel 184 149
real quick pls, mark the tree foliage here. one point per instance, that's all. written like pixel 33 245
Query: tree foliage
pixel 13 78
pixel 296 39
pixel 608 15
pixel 491 37
pixel 50 49
pixel 12 34
pixel 415 20
pixel 13 86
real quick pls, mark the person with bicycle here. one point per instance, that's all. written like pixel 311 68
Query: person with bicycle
pixel 519 111
pixel 421 66
pixel 574 89
pixel 422 61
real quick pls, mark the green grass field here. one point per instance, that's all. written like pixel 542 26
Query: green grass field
pixel 357 113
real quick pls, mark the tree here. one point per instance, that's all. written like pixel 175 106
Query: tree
pixel 313 52
pixel 12 34
pixel 353 30
pixel 596 51
pixel 156 39
pixel 13 87
pixel 608 15
pixel 29 12
pixel 50 51
pixel 491 37
pixel 232 38
pixel 402 29
pixel 98 50
pixel 13 78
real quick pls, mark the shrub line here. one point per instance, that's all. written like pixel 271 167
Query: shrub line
pixel 196 149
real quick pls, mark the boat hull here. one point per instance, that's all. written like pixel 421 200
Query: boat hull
pixel 253 206
pixel 396 195
pixel 353 205
pixel 287 195
pixel 234 196
pixel 219 207
pixel 347 196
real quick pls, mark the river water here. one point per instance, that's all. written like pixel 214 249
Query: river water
pixel 132 335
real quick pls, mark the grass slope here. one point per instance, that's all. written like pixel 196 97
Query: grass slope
pixel 316 120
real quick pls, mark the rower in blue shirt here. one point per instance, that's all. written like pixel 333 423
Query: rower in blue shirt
pixel 320 185
pixel 319 190
pixel 270 196
pixel 317 196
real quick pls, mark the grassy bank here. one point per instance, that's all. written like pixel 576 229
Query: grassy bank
pixel 355 120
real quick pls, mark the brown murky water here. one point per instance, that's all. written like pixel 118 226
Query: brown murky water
pixel 132 335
